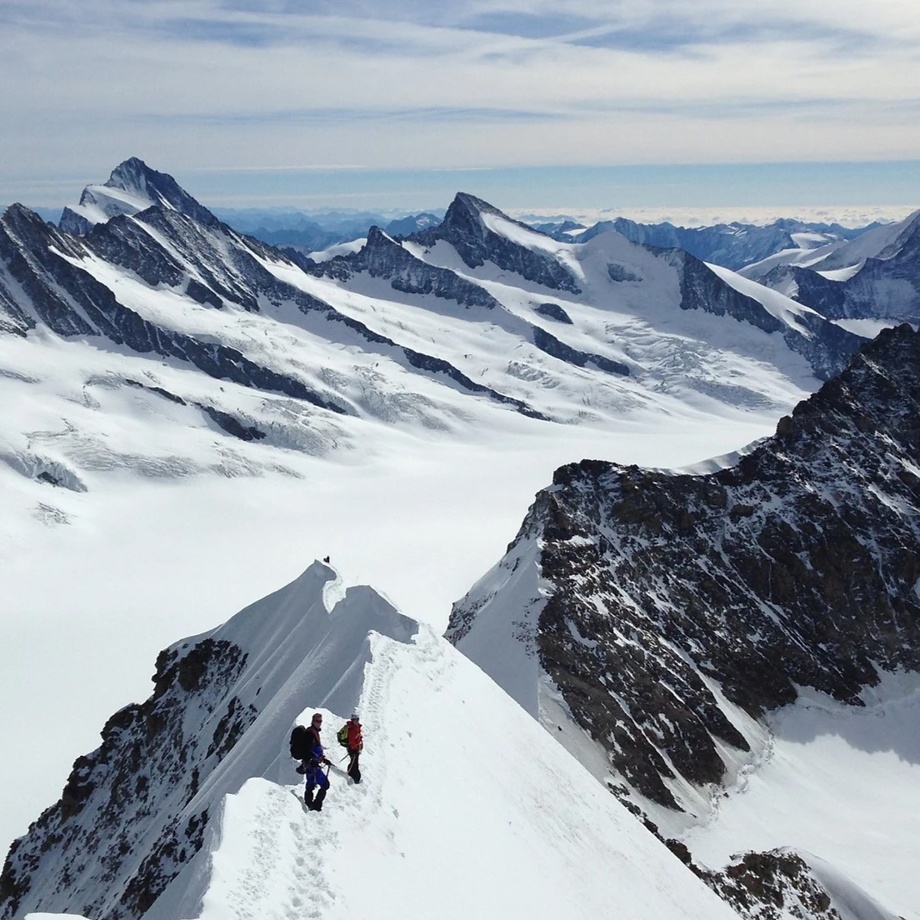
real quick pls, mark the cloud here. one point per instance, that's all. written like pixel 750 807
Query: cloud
pixel 246 84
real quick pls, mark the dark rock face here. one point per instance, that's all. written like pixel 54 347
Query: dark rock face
pixel 774 885
pixel 826 346
pixel 554 311
pixel 142 781
pixel 465 228
pixel 798 566
pixel 552 346
pixel 383 257
pixel 885 288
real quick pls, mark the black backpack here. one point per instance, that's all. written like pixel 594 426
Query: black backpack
pixel 301 748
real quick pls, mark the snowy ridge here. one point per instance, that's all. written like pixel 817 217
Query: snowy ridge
pixel 164 765
pixel 524 820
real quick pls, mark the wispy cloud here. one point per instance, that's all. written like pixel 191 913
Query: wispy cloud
pixel 426 83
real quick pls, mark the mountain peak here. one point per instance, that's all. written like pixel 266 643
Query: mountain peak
pixel 131 188
pixel 135 175
pixel 470 214
pixel 482 233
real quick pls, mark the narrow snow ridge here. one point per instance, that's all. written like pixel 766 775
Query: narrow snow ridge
pixel 443 789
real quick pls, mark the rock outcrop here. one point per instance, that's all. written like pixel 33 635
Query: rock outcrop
pixel 667 598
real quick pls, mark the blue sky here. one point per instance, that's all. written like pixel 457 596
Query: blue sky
pixel 525 102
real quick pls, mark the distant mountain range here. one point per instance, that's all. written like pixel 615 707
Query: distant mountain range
pixel 654 622
pixel 874 276
pixel 594 328
pixel 732 245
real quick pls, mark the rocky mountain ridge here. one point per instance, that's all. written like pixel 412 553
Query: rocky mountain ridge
pixel 131 188
pixel 666 616
pixel 668 598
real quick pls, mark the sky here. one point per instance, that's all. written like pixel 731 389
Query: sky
pixel 527 103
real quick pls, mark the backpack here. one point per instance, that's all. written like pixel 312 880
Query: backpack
pixel 300 743
pixel 342 735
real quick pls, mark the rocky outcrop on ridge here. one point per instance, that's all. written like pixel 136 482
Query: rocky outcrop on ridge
pixel 798 566
pixel 383 257
pixel 126 816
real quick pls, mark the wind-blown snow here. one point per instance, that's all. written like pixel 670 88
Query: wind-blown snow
pixel 783 308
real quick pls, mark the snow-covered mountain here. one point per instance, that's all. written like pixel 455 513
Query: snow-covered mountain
pixel 133 187
pixel 191 806
pixel 732 245
pixel 480 244
pixel 185 411
pixel 872 277
pixel 664 618
pixel 475 315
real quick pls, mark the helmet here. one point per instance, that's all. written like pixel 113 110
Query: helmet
pixel 354 717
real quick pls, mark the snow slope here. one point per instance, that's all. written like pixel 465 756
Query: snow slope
pixel 467 808
pixel 451 820
pixel 827 769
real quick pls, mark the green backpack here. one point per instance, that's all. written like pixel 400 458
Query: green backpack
pixel 342 735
